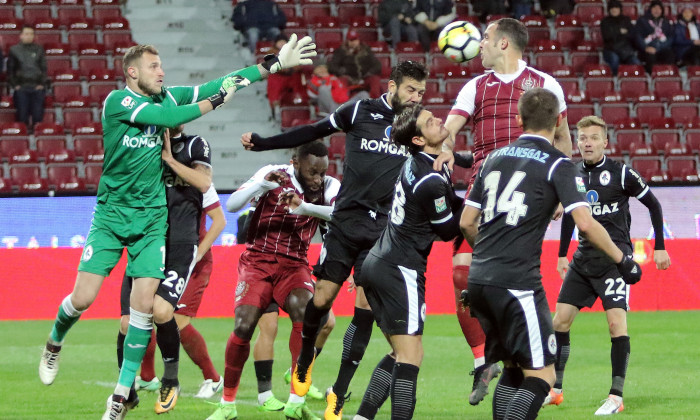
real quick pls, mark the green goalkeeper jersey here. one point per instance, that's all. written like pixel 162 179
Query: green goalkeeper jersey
pixel 133 126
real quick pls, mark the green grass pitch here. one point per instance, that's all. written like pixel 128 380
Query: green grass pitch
pixel 664 364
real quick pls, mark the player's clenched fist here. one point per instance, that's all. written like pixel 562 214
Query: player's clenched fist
pixel 630 270
pixel 293 53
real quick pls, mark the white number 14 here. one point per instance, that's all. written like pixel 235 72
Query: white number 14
pixel 510 201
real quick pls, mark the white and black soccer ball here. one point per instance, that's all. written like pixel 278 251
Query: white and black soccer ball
pixel 459 41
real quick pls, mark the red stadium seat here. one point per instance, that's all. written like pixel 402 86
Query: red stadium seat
pixel 537 28
pixel 676 148
pixel 682 168
pixel 627 133
pixel 46 31
pixel 33 10
pixel 589 12
pixel 89 148
pixel 682 108
pixel 91 56
pixel 583 53
pixel 45 129
pixel 289 114
pixel 576 111
pixel 648 108
pixel 461 176
pixel 613 109
pixel 649 168
pixel 336 150
pixel 54 151
pixel 327 37
pixel 66 11
pixel 81 31
pixel 63 177
pixel 694 80
pixel 569 31
pixel 77 111
pixel 309 11
pixel 27 178
pixel 666 78
pixel 89 128
pixel 13 130
pixel 350 9
pixel 633 80
pixel 64 91
pixel 16 150
pixel 692 139
pixel 93 172
pixel 548 54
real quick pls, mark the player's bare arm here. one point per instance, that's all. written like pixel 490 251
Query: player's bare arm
pixel 469 223
pixel 562 138
pixel 218 223
pixel 198 178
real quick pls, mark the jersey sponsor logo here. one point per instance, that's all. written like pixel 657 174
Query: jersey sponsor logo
pixel 150 130
pixel 604 178
pixel 522 152
pixel 87 253
pixel 591 195
pixel 136 346
pixel 128 102
pixel 491 84
pixel 552 344
pixel 383 146
pixel 177 148
pixel 581 187
pixel 172 180
pixel 598 209
pixel 440 204
pixel 138 142
pixel 376 116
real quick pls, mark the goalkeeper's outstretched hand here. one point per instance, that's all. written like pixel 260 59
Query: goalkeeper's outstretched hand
pixel 227 89
pixel 293 53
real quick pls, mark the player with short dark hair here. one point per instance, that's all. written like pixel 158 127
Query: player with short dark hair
pixel 131 205
pixel 590 276
pixel 424 208
pixel 489 102
pixel 516 192
pixel 274 267
pixel 372 164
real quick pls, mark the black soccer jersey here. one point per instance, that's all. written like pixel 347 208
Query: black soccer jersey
pixel 609 184
pixel 185 201
pixel 372 160
pixel 422 207
pixel 517 189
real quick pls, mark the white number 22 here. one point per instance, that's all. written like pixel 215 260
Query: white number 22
pixel 510 200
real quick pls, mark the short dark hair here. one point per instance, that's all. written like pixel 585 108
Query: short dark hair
pixel 134 53
pixel 514 30
pixel 539 110
pixel 413 69
pixel 316 148
pixel 405 127
pixel 27 26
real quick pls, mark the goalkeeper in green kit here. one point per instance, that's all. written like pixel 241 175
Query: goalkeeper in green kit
pixel 131 208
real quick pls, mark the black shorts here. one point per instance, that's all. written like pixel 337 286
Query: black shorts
pixel 180 260
pixel 272 307
pixel 350 237
pixel 581 290
pixel 396 295
pixel 517 323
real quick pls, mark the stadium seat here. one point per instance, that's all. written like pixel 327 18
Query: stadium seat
pixel 461 142
pixel 629 9
pixel 46 31
pixel 454 86
pixel 576 111
pixel 7 109
pixel 63 91
pixel 93 172
pixel 33 10
pixel 562 71
pixel 666 78
pixel 648 108
pixel 289 114
pixel 77 110
pixel 10 28
pixel 70 9
pixel 633 80
pixel 46 130
pixel 88 148
pixel 537 28
pixel 91 56
pixel 692 139
pixel 13 129
pixel 682 168
pixel 613 109
pixel 366 28
pixel 583 53
pixel 309 10
pixel 27 178
pixel 596 36
pixel 649 168
pixel 54 151
pixel 347 9
pixel 63 177
pixel 683 108
pixel 694 81
pixel 327 37
pixel 599 81
pixel 676 148
pixel 461 176
pixel 336 149
pixel 16 150
pixel 5 186
pixel 81 31
pixel 332 170
pixel 547 55
pixel 88 128
pixel 569 31
pixel 589 12
pixel 627 132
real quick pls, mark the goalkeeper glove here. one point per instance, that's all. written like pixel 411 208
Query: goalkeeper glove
pixel 630 270
pixel 228 87
pixel 292 54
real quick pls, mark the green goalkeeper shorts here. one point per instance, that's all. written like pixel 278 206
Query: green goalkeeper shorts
pixel 141 230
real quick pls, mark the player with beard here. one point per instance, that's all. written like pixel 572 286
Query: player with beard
pixel 489 103
pixel 274 267
pixel 372 164
pixel 424 208
pixel 506 214
pixel 131 207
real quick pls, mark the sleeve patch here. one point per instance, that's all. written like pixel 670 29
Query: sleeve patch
pixel 580 186
pixel 128 102
pixel 440 204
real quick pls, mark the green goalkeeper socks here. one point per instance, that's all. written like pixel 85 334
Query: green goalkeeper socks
pixel 66 317
pixel 135 345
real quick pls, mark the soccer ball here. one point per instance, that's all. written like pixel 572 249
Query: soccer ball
pixel 459 41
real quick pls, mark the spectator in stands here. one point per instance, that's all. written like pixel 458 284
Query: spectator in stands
pixel 26 68
pixel 618 38
pixel 355 61
pixel 686 41
pixel 654 35
pixel 396 19
pixel 520 8
pixel 258 19
pixel 285 83
pixel 551 8
pixel 484 8
pixel 432 16
pixel 329 91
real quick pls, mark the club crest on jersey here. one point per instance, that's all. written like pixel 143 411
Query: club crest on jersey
pixel 440 204
pixel 528 84
pixel 178 147
pixel 241 290
pixel 580 186
pixel 87 253
pixel 552 344
pixel 604 178
pixel 128 102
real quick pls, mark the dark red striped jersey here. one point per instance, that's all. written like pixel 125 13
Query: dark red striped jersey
pixel 490 103
pixel 274 230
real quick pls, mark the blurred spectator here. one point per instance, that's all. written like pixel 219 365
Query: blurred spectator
pixel 432 16
pixel 285 83
pixel 654 34
pixel 520 8
pixel 258 19
pixel 484 8
pixel 329 91
pixel 355 61
pixel 396 19
pixel 618 38
pixel 26 70
pixel 687 38
pixel 551 8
